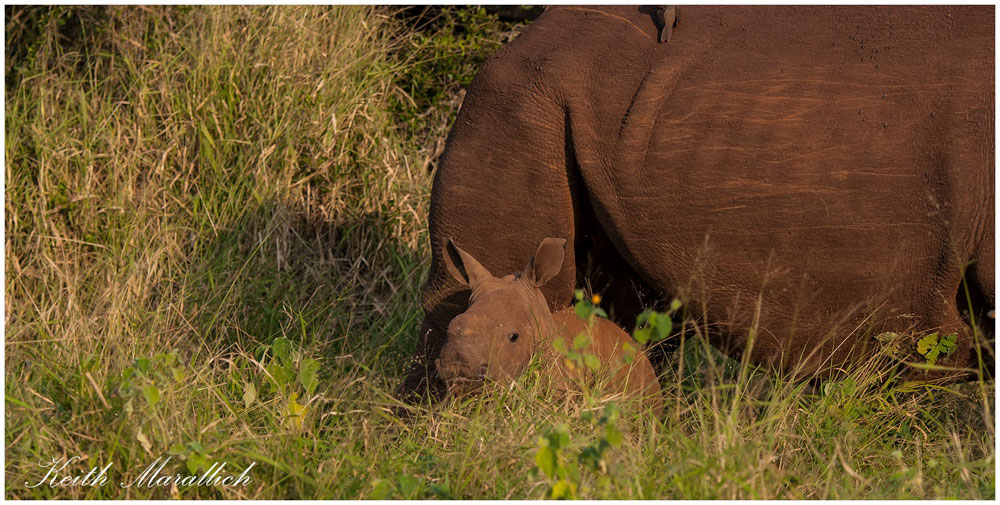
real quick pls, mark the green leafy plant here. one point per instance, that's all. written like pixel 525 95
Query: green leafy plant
pixel 552 460
pixel 148 377
pixel 290 376
pixel 564 472
pixel 196 457
pixel 932 346
pixel 408 487
pixel 593 456
pixel 652 326
pixel 576 356
pixel 587 308
pixel 445 59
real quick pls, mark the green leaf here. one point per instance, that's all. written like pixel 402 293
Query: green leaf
pixel 927 343
pixel 164 359
pixel 662 328
pixel 590 457
pixel 675 305
pixel 196 461
pixel 563 490
pixel 280 375
pixel 932 355
pixel 142 365
pixel 409 486
pixel 151 394
pixel 559 345
pixel 643 317
pixel 440 491
pixel 296 412
pixel 612 435
pixel 259 351
pixel 652 326
pixel 545 458
pixel 931 346
pixel 381 489
pixel 196 446
pixel 592 362
pixel 582 310
pixel 580 341
pixel 642 335
pixel 563 435
pixel 949 343
pixel 307 375
pixel 850 385
pixel 249 394
pixel 611 412
pixel 282 350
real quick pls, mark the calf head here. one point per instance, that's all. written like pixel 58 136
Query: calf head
pixel 505 322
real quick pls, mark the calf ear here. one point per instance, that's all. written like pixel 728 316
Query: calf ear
pixel 462 266
pixel 547 261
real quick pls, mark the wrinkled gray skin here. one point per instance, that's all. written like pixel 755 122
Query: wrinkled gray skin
pixel 481 343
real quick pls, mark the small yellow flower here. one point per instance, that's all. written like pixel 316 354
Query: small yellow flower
pixel 596 299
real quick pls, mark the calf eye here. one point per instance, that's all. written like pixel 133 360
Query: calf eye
pixel 512 337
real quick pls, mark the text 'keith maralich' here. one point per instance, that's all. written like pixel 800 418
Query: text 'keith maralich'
pixel 150 477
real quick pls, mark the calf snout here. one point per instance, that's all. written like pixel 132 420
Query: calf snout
pixel 454 366
pixel 462 355
pixel 460 378
pixel 449 370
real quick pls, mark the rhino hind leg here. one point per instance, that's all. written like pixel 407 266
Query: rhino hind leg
pixel 976 300
pixel 964 316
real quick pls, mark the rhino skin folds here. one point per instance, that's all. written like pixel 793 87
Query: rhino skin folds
pixel 821 174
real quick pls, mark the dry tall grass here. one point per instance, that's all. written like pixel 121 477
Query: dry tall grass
pixel 175 173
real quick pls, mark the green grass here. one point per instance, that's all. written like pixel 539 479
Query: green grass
pixel 216 235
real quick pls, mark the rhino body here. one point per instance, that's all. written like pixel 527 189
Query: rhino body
pixel 802 177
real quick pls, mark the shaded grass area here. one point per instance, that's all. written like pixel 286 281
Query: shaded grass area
pixel 216 235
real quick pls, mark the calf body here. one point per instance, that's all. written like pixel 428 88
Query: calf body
pixel 612 346
pixel 508 320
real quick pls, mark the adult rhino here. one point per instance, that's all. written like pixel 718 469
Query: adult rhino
pixel 820 174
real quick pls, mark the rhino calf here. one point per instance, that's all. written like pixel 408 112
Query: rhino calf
pixel 611 345
pixel 508 321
